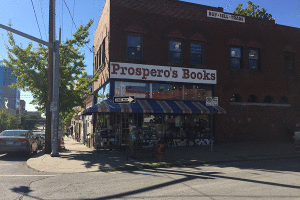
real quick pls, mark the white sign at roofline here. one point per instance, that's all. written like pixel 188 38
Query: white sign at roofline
pixel 162 73
pixel 220 15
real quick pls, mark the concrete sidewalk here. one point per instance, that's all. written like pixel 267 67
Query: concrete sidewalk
pixel 79 158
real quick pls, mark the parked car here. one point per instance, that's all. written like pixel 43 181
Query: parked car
pixel 18 141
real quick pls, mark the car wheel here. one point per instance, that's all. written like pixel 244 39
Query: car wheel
pixel 28 153
pixel 35 152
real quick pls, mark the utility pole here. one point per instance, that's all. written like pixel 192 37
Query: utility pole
pixel 50 81
pixel 55 94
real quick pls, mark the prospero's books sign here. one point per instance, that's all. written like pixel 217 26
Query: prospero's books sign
pixel 225 16
pixel 162 73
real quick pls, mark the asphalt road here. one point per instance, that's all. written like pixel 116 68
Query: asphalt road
pixel 270 179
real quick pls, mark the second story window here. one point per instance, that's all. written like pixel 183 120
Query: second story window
pixel 289 62
pixel 236 57
pixel 196 54
pixel 175 52
pixel 253 59
pixel 134 47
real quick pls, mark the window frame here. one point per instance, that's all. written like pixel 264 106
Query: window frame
pixel 287 70
pixel 181 51
pixel 258 59
pixel 141 48
pixel 202 53
pixel 241 57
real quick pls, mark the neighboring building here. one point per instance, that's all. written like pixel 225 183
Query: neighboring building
pixel 8 96
pixel 171 55
pixel 22 107
pixel 81 126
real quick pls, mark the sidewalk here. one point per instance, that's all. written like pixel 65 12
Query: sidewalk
pixel 79 158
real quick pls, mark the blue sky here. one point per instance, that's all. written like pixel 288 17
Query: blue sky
pixel 22 16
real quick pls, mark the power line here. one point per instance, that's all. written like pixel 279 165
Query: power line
pixel 74 17
pixel 62 18
pixel 74 23
pixel 36 19
pixel 70 14
pixel 43 18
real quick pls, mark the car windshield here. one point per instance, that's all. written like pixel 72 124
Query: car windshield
pixel 13 133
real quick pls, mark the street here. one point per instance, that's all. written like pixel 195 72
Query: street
pixel 269 179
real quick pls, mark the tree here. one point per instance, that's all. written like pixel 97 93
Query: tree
pixel 31 68
pixel 7 121
pixel 252 11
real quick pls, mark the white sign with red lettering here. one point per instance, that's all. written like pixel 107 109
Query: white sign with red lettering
pixel 225 16
pixel 162 73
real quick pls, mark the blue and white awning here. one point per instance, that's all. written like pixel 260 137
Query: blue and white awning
pixel 155 106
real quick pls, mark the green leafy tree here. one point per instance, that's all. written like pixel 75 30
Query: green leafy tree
pixel 30 65
pixel 7 121
pixel 4 120
pixel 252 11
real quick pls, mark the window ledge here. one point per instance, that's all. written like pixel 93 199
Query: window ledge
pixel 135 61
pixel 245 70
pixel 258 104
pixel 175 64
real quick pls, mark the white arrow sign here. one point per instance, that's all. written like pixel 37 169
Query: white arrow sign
pixel 129 99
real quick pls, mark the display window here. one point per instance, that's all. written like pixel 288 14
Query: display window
pixel 173 91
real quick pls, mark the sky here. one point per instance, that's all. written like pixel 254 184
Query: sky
pixel 32 17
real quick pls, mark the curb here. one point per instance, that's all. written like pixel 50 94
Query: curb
pixel 192 163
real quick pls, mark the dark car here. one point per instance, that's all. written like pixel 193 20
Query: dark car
pixel 18 141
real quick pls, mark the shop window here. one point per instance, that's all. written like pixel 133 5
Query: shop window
pixel 236 98
pixel 252 99
pixel 289 62
pixel 268 99
pixel 196 54
pixel 236 57
pixel 283 100
pixel 134 47
pixel 126 88
pixel 253 58
pixel 196 93
pixel 167 91
pixel 175 52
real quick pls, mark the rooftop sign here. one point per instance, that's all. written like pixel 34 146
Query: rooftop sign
pixel 162 73
pixel 220 15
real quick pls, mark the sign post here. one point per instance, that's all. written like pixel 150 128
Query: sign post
pixel 211 101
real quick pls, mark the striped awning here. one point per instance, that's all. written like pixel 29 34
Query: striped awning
pixel 155 106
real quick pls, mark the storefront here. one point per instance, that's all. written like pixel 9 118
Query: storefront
pixel 167 107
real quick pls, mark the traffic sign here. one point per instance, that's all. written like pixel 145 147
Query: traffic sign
pixel 215 101
pixel 208 101
pixel 211 101
pixel 128 99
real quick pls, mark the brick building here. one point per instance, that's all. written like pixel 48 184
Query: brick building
pixel 171 55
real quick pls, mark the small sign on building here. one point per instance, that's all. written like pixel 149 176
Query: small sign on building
pixel 128 99
pixel 212 101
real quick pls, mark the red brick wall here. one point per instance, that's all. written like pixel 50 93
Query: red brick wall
pixel 101 34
